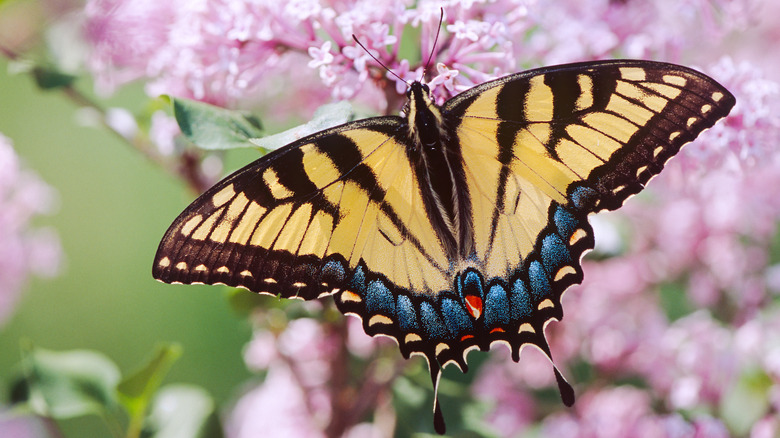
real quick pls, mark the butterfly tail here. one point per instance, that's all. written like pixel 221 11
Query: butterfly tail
pixel 564 387
pixel 438 416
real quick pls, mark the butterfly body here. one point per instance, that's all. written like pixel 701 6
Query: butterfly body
pixel 455 226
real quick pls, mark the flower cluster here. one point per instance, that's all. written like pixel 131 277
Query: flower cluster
pixel 24 251
pixel 304 361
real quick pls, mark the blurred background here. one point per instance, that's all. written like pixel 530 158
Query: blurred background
pixel 108 207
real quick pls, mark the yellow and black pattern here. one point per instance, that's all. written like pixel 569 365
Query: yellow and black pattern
pixel 347 194
pixel 454 227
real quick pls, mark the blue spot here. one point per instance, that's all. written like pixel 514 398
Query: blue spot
pixel 583 197
pixel 432 324
pixel 470 283
pixel 521 301
pixel 455 317
pixel 496 307
pixel 555 253
pixel 358 281
pixel 540 283
pixel 566 223
pixel 333 272
pixel 379 299
pixel 407 317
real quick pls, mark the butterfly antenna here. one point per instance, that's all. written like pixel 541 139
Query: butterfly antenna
pixel 435 40
pixel 378 61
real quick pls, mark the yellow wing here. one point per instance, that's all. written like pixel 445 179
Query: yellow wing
pixel 298 221
pixel 585 136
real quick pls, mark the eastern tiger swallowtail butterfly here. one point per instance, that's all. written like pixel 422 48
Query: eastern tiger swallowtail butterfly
pixel 456 226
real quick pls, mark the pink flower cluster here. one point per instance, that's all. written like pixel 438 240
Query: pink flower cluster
pixel 24 250
pixel 301 363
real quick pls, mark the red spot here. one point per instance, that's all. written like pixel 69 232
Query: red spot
pixel 498 330
pixel 474 305
pixel 465 337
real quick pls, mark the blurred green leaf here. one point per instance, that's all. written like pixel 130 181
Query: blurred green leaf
pixel 214 128
pixel 68 384
pixel 674 300
pixel 136 391
pixel 181 411
pixel 746 401
pixel 48 78
pixel 326 116
pixel 244 302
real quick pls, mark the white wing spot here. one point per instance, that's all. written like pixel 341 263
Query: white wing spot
pixel 545 304
pixel 380 319
pixel 246 273
pixel 181 266
pixel 164 262
pixel 201 268
pixel 412 337
pixel 526 327
pixel 223 270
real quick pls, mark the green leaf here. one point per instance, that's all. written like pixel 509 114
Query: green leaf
pixel 746 401
pixel 48 78
pixel 181 411
pixel 326 116
pixel 67 384
pixel 214 128
pixel 136 390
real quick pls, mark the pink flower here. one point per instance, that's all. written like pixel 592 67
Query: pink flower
pixel 276 408
pixel 24 251
pixel 626 412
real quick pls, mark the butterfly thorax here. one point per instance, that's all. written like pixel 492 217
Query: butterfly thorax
pixel 439 167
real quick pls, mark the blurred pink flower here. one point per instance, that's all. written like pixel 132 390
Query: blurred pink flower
pixel 24 251
pixel 278 407
pixel 626 412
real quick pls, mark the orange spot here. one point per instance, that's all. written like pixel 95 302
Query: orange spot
pixel 498 330
pixel 474 305
pixel 465 337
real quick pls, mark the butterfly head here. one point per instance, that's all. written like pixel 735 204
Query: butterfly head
pixel 423 116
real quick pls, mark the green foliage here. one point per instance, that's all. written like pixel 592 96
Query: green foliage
pixel 64 385
pixel 326 116
pixel 70 384
pixel 214 128
pixel 136 390
pixel 746 402
pixel 50 78
pixel 182 411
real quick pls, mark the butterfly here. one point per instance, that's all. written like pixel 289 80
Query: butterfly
pixel 453 227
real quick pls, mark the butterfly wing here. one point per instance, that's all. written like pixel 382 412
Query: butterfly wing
pixel 299 221
pixel 544 148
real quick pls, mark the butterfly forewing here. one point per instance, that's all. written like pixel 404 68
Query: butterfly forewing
pixel 297 221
